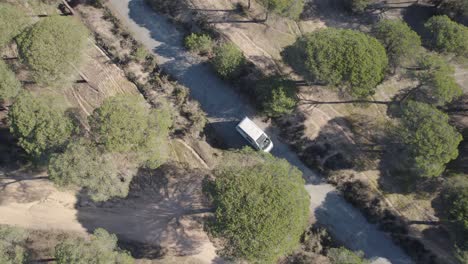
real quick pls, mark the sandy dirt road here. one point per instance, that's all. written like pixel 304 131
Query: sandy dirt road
pixel 225 108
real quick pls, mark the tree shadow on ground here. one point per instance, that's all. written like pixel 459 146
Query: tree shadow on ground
pixel 343 143
pixel 12 157
pixel 335 14
pixel 416 15
pixel 163 212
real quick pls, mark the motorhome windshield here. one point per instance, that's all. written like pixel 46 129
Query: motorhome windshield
pixel 263 141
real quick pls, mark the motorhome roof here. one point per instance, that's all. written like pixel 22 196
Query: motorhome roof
pixel 249 127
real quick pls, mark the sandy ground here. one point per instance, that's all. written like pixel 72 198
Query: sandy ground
pixel 163 211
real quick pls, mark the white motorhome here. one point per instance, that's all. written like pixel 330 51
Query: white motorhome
pixel 255 135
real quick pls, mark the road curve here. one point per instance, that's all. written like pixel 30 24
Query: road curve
pixel 225 108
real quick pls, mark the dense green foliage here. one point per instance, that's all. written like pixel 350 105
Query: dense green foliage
pixel 228 60
pixel 127 124
pixel 454 7
pixel 344 57
pixel 82 164
pixel 400 41
pixel 455 196
pixel 437 80
pixel 447 35
pixel 278 96
pixel 9 85
pixel 102 249
pixel 12 21
pixel 430 140
pixel 262 207
pixel 40 127
pixel 52 47
pixel 345 256
pixel 199 43
pixel 287 8
pixel 12 245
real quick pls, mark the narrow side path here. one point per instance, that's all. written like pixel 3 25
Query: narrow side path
pixel 225 108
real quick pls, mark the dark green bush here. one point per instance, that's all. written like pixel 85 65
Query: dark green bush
pixel 447 35
pixel 199 43
pixel 228 60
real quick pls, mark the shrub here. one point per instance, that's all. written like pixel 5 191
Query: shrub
pixel 53 47
pixel 102 248
pixel 447 35
pixel 345 256
pixel 358 6
pixel 199 43
pixel 13 245
pixel 12 21
pixel 341 57
pixel 140 53
pixel 9 85
pixel 287 8
pixel 228 60
pixel 40 127
pixel 455 204
pixel 262 207
pixel 400 41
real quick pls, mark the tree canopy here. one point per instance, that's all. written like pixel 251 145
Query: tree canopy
pixel 278 96
pixel 12 245
pixel 127 124
pixel 262 207
pixel 12 21
pixel 101 249
pixel 287 8
pixel 447 35
pixel 400 41
pixel 52 47
pixel 41 127
pixel 455 199
pixel 343 57
pixel 430 140
pixel 438 80
pixel 9 85
pixel 228 60
pixel 82 164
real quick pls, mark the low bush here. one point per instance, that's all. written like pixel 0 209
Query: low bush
pixel 199 43
pixel 277 96
pixel 228 60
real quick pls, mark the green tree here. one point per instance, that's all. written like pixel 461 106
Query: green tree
pixel 82 164
pixel 262 207
pixel 101 249
pixel 9 85
pixel 342 57
pixel 454 7
pixel 287 8
pixel 437 79
pixel 41 127
pixel 400 41
pixel 228 60
pixel 12 21
pixel 455 200
pixel 430 140
pixel 53 47
pixel 278 96
pixel 447 35
pixel 127 124
pixel 12 245
pixel 345 256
